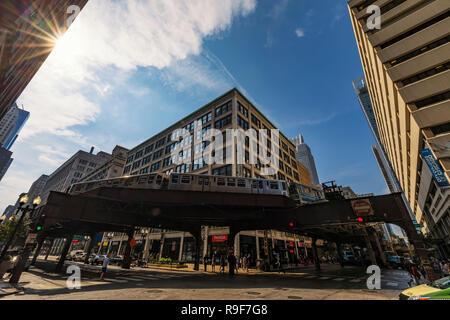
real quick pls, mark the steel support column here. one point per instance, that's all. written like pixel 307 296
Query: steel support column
pixel 126 263
pixel 64 253
pixel 373 259
pixel 38 250
pixel 380 250
pixel 50 245
pixel 315 254
pixel 197 234
pixel 89 247
pixel 339 252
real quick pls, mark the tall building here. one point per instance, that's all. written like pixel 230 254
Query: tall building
pixel 11 124
pixel 37 187
pixel 304 155
pixel 113 168
pixel 73 170
pixel 406 64
pixel 28 31
pixel 9 211
pixel 362 91
pixel 230 111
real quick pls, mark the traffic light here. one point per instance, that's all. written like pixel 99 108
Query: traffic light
pixel 38 225
pixel 291 224
pixel 360 219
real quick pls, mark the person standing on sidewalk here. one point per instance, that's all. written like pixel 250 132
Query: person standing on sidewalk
pixel 104 266
pixel 205 262
pixel 213 262
pixel 223 263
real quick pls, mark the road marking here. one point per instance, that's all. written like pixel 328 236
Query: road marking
pixel 356 280
pixel 392 284
pixel 116 280
pixel 128 278
pixel 310 277
pixel 324 278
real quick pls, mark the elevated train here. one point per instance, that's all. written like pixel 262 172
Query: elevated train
pixel 205 183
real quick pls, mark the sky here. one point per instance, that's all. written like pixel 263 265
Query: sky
pixel 127 69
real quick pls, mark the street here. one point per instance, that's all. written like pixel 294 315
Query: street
pixel 331 283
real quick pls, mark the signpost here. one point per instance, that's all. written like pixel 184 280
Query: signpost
pixel 362 207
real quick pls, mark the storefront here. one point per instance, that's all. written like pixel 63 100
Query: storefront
pixel 217 245
pixel 171 248
pixel 189 249
pixel 248 249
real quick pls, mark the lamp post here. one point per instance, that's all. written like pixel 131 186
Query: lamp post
pixel 25 209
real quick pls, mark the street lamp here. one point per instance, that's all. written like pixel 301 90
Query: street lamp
pixel 25 209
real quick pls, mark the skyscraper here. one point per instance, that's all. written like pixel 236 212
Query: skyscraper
pixel 406 63
pixel 28 31
pixel 11 124
pixel 304 155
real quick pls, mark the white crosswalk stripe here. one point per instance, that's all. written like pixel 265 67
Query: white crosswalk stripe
pixel 356 280
pixel 117 280
pixel 392 284
pixel 339 279
pixel 129 278
pixel 324 278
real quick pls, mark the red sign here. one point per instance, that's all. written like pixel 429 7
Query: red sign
pixel 223 238
pixel 301 244
pixel 362 207
pixel 291 243
pixel 132 242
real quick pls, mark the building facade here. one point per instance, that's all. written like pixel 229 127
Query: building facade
pixel 230 111
pixel 113 168
pixel 11 124
pixel 73 170
pixel 37 187
pixel 28 32
pixel 304 155
pixel 406 64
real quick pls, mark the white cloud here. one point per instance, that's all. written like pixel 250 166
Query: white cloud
pixel 109 40
pixel 300 32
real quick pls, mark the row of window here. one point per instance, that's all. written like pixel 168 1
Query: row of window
pixel 223 109
pixel 242 123
pixel 242 109
pixel 219 124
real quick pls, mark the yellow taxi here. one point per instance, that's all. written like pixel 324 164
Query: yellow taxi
pixel 423 289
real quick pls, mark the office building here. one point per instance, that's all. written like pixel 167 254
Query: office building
pixel 230 111
pixel 113 168
pixel 5 161
pixel 28 31
pixel 304 155
pixel 73 170
pixel 37 187
pixel 406 65
pixel 11 124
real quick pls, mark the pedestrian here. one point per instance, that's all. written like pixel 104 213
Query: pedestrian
pixel 213 262
pixel 237 264
pixel 245 263
pixel 205 262
pixel 223 263
pixel 104 266
pixel 231 263
pixel 415 273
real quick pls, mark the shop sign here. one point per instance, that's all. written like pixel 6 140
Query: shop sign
pixel 222 238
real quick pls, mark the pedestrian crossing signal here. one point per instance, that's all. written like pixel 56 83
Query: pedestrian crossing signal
pixel 359 219
pixel 291 224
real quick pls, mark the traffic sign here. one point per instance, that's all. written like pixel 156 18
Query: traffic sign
pixel 362 207
pixel 132 242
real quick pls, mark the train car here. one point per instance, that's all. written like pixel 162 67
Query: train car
pixel 205 183
pixel 305 194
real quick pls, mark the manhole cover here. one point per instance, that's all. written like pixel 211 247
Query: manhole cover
pixel 254 293
pixel 295 297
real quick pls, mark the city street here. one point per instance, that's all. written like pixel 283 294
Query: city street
pixel 332 283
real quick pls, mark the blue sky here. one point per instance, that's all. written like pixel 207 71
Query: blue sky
pixel 127 69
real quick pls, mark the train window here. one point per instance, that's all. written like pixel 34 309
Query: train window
pixel 274 185
pixel 231 182
pixel 129 182
pixel 77 188
pixel 200 181
pixel 174 178
pixel 307 190
pixel 260 185
pixel 283 184
pixel 220 181
pixel 158 179
pixel 186 179
pixel 142 180
pixel 206 181
pixel 241 183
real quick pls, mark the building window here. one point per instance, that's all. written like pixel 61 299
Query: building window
pixel 167 162
pixel 158 154
pixel 223 109
pixel 155 166
pixel 126 169
pixel 223 171
pixel 242 123
pixel 242 109
pixel 130 159
pixel 149 149
pixel 146 160
pixel 206 118
pixel 144 170
pixel 256 121
pixel 136 165
pixel 139 154
pixel 219 124
pixel 281 176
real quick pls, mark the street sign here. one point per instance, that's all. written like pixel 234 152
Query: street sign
pixel 132 242
pixel 362 207
pixel 222 238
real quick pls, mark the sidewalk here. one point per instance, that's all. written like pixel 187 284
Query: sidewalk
pixel 7 289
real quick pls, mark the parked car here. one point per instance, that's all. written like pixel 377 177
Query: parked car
pixel 425 290
pixel 116 259
pixel 96 259
pixel 348 257
pixel 80 256
pixel 73 254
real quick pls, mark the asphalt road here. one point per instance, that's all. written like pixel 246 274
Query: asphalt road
pixel 333 282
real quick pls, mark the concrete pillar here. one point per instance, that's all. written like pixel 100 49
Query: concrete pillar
pixel 197 238
pixel 180 254
pixel 258 255
pixel 315 254
pixel 231 243
pixel 38 250
pixel 89 248
pixel 64 253
pixel 146 247
pixel 162 246
pixel 296 247
pixel 237 245
pixel 205 241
